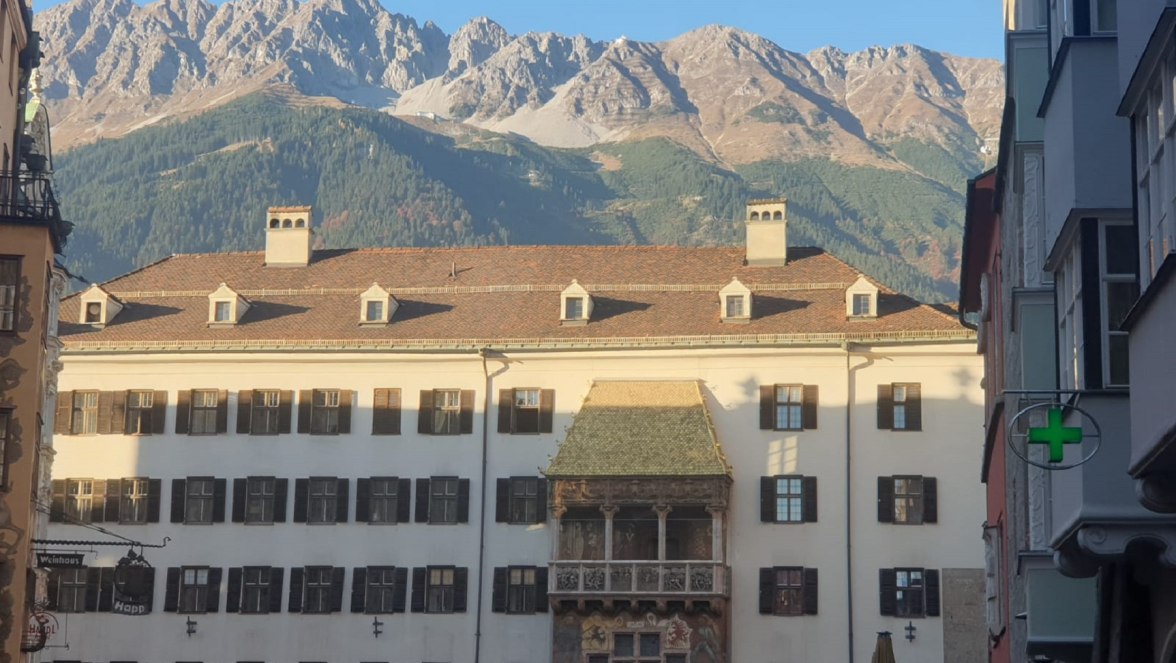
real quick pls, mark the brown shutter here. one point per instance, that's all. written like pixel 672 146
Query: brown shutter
pixel 158 412
pixel 914 408
pixel 222 411
pixel 502 501
pixel 419 575
pixel 546 410
pixel 285 410
pixel 233 594
pixel 105 413
pixel 337 588
pixel 767 499
pixel 767 407
pixel 171 592
pixel 183 411
pixel 425 413
pixel 498 595
pixel 118 412
pixel 106 503
pixel 301 497
pixel 358 588
pixel 295 604
pixel 886 591
pixel 885 499
pixel 154 490
pixel 808 407
pixel 57 502
pixel 467 411
pixel 931 592
pixel 505 408
pixel 541 502
pixel 342 499
pixel 277 574
pixel 809 499
pixel 344 411
pixel 885 407
pixel 305 403
pixel 98 501
pixel 386 412
pixel 179 494
pixel 463 500
pixel 930 500
pixel 541 589
pixel 422 501
pixel 281 486
pixel 240 488
pixel 218 500
pixel 363 500
pixel 461 577
pixel 106 589
pixel 767 590
pixel 244 410
pixel 403 500
pixel 93 582
pixel 400 591
pixel 810 591
pixel 212 601
pixel 61 417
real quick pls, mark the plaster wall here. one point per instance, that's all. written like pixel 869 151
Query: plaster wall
pixel 1152 366
pixel 1136 21
pixel 948 448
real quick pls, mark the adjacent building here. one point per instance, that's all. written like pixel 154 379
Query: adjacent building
pixel 1065 259
pixel 32 235
pixel 518 454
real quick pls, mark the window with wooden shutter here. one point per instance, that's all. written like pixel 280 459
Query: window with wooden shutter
pixel 900 406
pixel 275 589
pixel 908 500
pixel 233 590
pixel 788 499
pixel 381 590
pixel 788 407
pixel 379 498
pixel 441 590
pixel 257 499
pixel 386 412
pixel 520 590
pixel 61 422
pixel 521 411
pixel 257 590
pixel 498 593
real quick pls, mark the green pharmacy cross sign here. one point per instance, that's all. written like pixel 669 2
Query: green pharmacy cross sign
pixel 1055 435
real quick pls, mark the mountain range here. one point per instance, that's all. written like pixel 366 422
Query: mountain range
pixel 736 102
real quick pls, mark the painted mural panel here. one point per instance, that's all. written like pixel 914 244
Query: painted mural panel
pixel 699 638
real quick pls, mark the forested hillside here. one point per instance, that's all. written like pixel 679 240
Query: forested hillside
pixel 203 185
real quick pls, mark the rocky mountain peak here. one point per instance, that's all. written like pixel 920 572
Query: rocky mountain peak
pixel 473 43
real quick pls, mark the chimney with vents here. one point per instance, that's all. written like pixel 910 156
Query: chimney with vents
pixel 288 236
pixel 767 232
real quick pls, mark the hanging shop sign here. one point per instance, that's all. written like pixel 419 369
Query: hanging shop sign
pixel 134 584
pixel 47 560
pixel 1054 436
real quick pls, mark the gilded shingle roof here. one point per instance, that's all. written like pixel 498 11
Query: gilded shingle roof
pixel 496 296
pixel 641 429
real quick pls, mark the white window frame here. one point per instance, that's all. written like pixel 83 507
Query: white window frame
pixel 84 413
pixel 446 411
pixel 440 589
pixel 259 500
pixel 1155 151
pixel 71 589
pixel 199 495
pixel 789 499
pixel 267 403
pixel 140 412
pixel 204 406
pixel 789 407
pixel 520 590
pixel 79 499
pixel 380 590
pixel 324 412
pixel 1106 280
pixel 8 293
pixel 385 492
pixel 524 500
pixel 134 496
pixel 909 500
pixel 255 581
pixel 444 494
pixel 317 590
pixel 193 590
pixel 1071 337
pixel 322 499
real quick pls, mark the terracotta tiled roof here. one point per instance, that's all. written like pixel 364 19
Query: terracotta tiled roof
pixel 497 296
pixel 641 429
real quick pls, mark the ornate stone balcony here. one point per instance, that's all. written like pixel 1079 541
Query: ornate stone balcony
pixel 578 579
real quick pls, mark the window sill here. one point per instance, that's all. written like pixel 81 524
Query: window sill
pixel 789 430
pixel 197 524
pixel 257 524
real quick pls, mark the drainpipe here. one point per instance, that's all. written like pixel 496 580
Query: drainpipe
pixel 482 508
pixel 848 500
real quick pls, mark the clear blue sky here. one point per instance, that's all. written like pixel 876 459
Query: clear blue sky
pixel 962 27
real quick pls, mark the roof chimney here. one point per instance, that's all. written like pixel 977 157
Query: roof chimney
pixel 288 236
pixel 767 232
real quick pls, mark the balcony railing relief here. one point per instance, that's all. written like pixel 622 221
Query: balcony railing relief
pixel 652 578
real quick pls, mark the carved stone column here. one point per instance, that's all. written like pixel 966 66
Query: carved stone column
pixel 717 548
pixel 557 513
pixel 662 511
pixel 608 512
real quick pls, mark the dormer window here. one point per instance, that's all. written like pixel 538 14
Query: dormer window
pixel 575 305
pixel 376 306
pixel 226 307
pixel 861 299
pixel 735 302
pixel 98 307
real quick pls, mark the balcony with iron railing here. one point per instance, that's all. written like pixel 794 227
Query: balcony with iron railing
pixel 27 198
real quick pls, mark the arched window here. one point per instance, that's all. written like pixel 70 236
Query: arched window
pixel 274 223
pixel 299 223
pixel 777 216
pixel 755 216
pixel 287 223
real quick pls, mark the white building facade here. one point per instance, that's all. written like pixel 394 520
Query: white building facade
pixel 349 472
